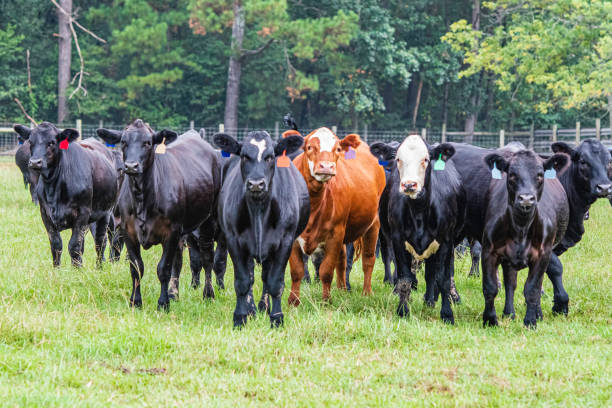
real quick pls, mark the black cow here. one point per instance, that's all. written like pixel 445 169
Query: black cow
pixel 167 193
pixel 262 210
pixel 526 215
pixel 77 186
pixel 424 212
pixel 586 179
pixel 22 160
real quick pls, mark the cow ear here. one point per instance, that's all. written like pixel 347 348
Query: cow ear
pixel 289 145
pixel 111 137
pixel 291 132
pixel 68 134
pixel 383 151
pixel 23 132
pixel 556 161
pixel 169 135
pixel 443 150
pixel 227 143
pixel 562 147
pixel 353 140
pixel 498 160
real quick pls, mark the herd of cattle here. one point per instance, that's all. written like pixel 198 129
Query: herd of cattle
pixel 278 202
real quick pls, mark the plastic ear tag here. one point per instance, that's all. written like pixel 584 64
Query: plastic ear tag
pixel 109 144
pixel 225 154
pixel 550 174
pixel 283 161
pixel 383 162
pixel 495 173
pixel 440 164
pixel 20 142
pixel 350 154
pixel 161 148
pixel 64 144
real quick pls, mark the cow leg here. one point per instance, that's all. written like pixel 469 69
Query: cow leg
pixel 441 262
pixel 385 252
pixel 403 263
pixel 489 288
pixel 243 285
pixel 431 294
pixel 274 270
pixel 368 255
pixel 55 239
pixel 317 259
pixel 100 238
pixel 306 273
pixel 116 241
pixel 296 266
pixel 330 261
pixel 76 244
pixel 195 262
pixel 220 263
pixel 164 269
pixel 350 254
pixel 475 252
pixel 342 271
pixel 136 268
pixel 175 275
pixel 533 289
pixel 207 254
pixel 555 274
pixel 510 275
pixel 453 288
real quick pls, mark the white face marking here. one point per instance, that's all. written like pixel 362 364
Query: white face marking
pixel 411 156
pixel 261 145
pixel 327 140
pixel 319 177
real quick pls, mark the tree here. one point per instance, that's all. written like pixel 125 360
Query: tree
pixel 259 24
pixel 64 58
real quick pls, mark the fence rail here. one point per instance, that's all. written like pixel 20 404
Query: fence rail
pixel 536 139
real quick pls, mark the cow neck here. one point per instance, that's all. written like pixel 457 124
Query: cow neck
pixel 259 211
pixel 520 224
pixel 139 186
pixel 579 204
pixel 52 180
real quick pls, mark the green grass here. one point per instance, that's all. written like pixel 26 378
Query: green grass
pixel 68 337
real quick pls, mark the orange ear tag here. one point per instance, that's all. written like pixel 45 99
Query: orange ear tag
pixel 64 144
pixel 161 148
pixel 283 161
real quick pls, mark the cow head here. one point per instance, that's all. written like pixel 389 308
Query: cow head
pixel 258 155
pixel 413 159
pixel 44 143
pixel 323 149
pixel 138 143
pixel 592 167
pixel 525 176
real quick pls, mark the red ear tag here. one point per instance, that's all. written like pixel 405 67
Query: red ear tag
pixel 64 144
pixel 283 161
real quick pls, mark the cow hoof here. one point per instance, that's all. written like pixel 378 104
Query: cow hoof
pixel 348 286
pixel 455 298
pixel 195 284
pixel 539 314
pixel 136 303
pixel 489 321
pixel 262 306
pixel 530 322
pixel 414 284
pixel 163 307
pixel 240 320
pixel 293 300
pixel 560 307
pixel 221 285
pixel 209 292
pixel 430 303
pixel 403 310
pixel 306 279
pixel 510 314
pixel 173 296
pixel 449 319
pixel 276 320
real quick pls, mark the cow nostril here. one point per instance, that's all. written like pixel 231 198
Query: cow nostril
pixel 604 189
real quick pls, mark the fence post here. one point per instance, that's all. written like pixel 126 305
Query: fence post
pixel 276 130
pixel 203 134
pixel 502 134
pixel 443 133
pixel 365 133
pixel 101 124
pixel 531 136
pixel 335 130
pixel 577 133
pixel 554 133
pixel 79 128
pixel 191 125
pixel 221 128
pixel 598 128
pixel 424 133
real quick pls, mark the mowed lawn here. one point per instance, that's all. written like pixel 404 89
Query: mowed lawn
pixel 69 338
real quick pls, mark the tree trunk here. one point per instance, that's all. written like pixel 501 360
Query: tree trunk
pixel 445 104
pixel 470 120
pixel 64 59
pixel 610 112
pixel 415 112
pixel 233 73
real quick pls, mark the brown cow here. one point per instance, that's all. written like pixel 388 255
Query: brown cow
pixel 344 193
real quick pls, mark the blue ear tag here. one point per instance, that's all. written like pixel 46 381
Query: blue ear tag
pixel 383 162
pixel 550 174
pixel 495 173
pixel 350 154
pixel 20 142
pixel 225 154
pixel 109 145
pixel 440 164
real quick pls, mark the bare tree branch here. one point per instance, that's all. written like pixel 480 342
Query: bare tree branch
pixel 24 112
pixel 248 53
pixel 72 20
pixel 28 67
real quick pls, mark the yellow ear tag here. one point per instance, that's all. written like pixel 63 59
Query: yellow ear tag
pixel 161 148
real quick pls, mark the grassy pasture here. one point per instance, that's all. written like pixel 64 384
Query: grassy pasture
pixel 68 337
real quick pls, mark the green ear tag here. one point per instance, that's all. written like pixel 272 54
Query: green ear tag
pixel 495 173
pixel 440 164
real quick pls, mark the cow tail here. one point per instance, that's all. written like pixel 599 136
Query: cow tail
pixel 358 245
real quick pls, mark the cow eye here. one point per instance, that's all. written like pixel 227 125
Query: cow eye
pixel 268 159
pixel 51 143
pixel 146 143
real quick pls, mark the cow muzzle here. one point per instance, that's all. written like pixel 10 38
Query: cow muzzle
pixel 603 190
pixel 326 168
pixel 35 164
pixel 525 202
pixel 131 167
pixel 256 187
pixel 411 188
